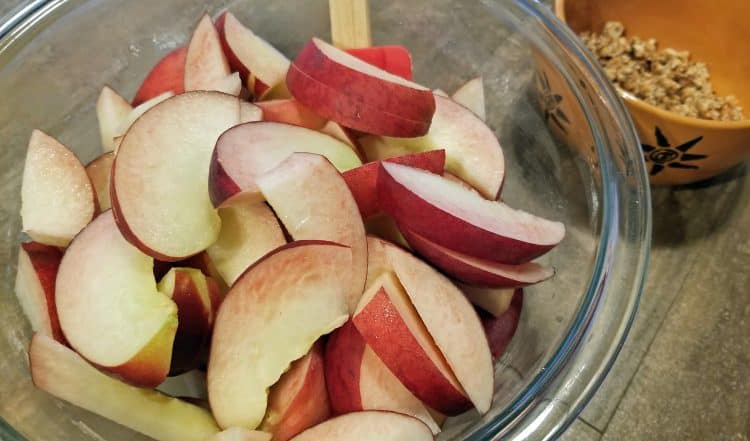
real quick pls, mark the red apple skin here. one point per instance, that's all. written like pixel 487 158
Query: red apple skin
pixel 291 111
pixel 500 330
pixel 413 367
pixel 343 354
pixel 467 269
pixel 166 76
pixel 394 59
pixel 234 63
pixel 46 260
pixel 221 186
pixel 194 325
pixel 348 111
pixel 412 212
pixel 308 405
pixel 363 180
pixel 356 99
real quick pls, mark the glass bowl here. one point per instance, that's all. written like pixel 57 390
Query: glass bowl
pixel 571 154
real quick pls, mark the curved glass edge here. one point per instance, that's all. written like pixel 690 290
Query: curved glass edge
pixel 569 369
pixel 17 15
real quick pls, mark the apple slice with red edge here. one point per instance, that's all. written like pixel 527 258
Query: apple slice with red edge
pixel 472 151
pixel 230 84
pixel 250 55
pixel 248 232
pixel 135 114
pixel 61 372
pixel 448 316
pixel 290 111
pixel 205 63
pixel 241 434
pixel 111 111
pixel 501 329
pixel 362 181
pixel 270 317
pixel 471 96
pixel 166 76
pixel 493 300
pixel 358 380
pixel 457 218
pixel 159 187
pixel 328 213
pixel 99 171
pixel 299 400
pixel 109 307
pixel 57 197
pixel 248 150
pixel 476 271
pixel 393 59
pixel 35 287
pixel 358 95
pixel 369 425
pixel 189 289
pixel 392 328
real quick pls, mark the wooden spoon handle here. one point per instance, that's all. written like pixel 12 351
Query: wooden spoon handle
pixel 350 23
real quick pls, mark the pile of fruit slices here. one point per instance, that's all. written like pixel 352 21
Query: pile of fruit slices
pixel 231 228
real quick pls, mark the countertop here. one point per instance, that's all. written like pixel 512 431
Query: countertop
pixel 684 372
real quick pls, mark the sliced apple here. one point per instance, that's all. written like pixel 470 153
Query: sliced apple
pixel 500 329
pixel 166 76
pixel 57 198
pixel 393 59
pixel 342 134
pixel 99 171
pixel 476 271
pixel 35 287
pixel 472 151
pixel 299 399
pixel 493 300
pixel 355 94
pixel 159 187
pixel 248 232
pixel 363 180
pixel 241 434
pixel 205 63
pixel 64 374
pixel 471 96
pixel 459 219
pixel 111 111
pixel 135 114
pixel 230 84
pixel 271 316
pixel 248 150
pixel 189 289
pixel 448 317
pixel 251 55
pixel 384 227
pixel 328 213
pixel 370 425
pixel 392 328
pixel 358 380
pixel 290 111
pixel 109 308
pixel 440 92
pixel 249 112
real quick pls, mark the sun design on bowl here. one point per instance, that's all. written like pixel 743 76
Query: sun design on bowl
pixel 550 103
pixel 665 155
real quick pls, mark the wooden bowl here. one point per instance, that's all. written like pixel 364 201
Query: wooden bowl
pixel 681 149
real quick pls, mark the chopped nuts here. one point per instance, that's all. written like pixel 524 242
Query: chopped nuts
pixel 666 78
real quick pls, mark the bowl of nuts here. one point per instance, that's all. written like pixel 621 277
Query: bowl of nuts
pixel 678 67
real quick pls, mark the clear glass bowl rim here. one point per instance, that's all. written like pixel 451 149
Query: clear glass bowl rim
pixel 520 415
